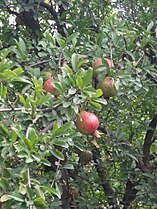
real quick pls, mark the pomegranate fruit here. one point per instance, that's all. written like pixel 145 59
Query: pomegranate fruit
pixel 107 85
pixel 99 62
pixel 48 86
pixel 74 193
pixel 87 123
pixel 109 62
pixel 95 64
pixel 85 157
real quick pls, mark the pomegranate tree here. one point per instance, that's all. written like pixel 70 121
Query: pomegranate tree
pixel 87 123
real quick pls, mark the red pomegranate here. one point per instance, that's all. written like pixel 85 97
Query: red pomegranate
pixel 109 62
pixel 48 86
pixel 98 62
pixel 87 123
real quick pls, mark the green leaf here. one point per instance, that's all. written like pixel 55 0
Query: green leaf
pixel 68 166
pixel 81 62
pixel 150 26
pixel 6 172
pixel 22 79
pixel 58 189
pixel 4 184
pixel 132 156
pixel 29 143
pixel 31 134
pixel 59 155
pixel 149 175
pixel 23 154
pixel 22 45
pixel 79 81
pixel 87 78
pixel 4 198
pixel 4 53
pixel 98 93
pixel 39 192
pixel 45 162
pixel 60 142
pixel 71 37
pixel 40 203
pixel 18 131
pixel 75 61
pixel 72 91
pixel 4 128
pixel 17 196
pixel 22 100
pixel 78 145
pixel 131 54
pixel 3 91
pixel 44 99
pixel 100 100
pixel 21 52
pixel 60 40
pixel 49 190
pixel 67 55
pixel 62 130
pixel 18 71
pixel 96 105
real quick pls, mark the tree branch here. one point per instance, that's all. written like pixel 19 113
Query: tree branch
pixel 104 182
pixel 1 205
pixel 130 194
pixel 148 141
pixel 50 9
pixel 20 109
pixel 55 15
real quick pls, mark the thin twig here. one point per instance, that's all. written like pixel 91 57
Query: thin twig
pixel 47 128
pixel 20 109
pixel 40 62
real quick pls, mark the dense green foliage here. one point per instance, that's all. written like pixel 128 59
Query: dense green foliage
pixel 39 143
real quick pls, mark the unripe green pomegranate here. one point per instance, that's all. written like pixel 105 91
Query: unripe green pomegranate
pixel 87 123
pixel 107 85
pixel 85 157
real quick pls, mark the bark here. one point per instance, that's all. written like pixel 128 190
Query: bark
pixel 148 141
pixel 104 182
pixel 130 194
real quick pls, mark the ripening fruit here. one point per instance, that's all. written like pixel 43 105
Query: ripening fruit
pixel 74 193
pixel 109 62
pixel 107 85
pixel 98 62
pixel 87 123
pixel 95 64
pixel 85 157
pixel 48 86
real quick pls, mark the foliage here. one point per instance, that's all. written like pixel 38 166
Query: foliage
pixel 39 143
